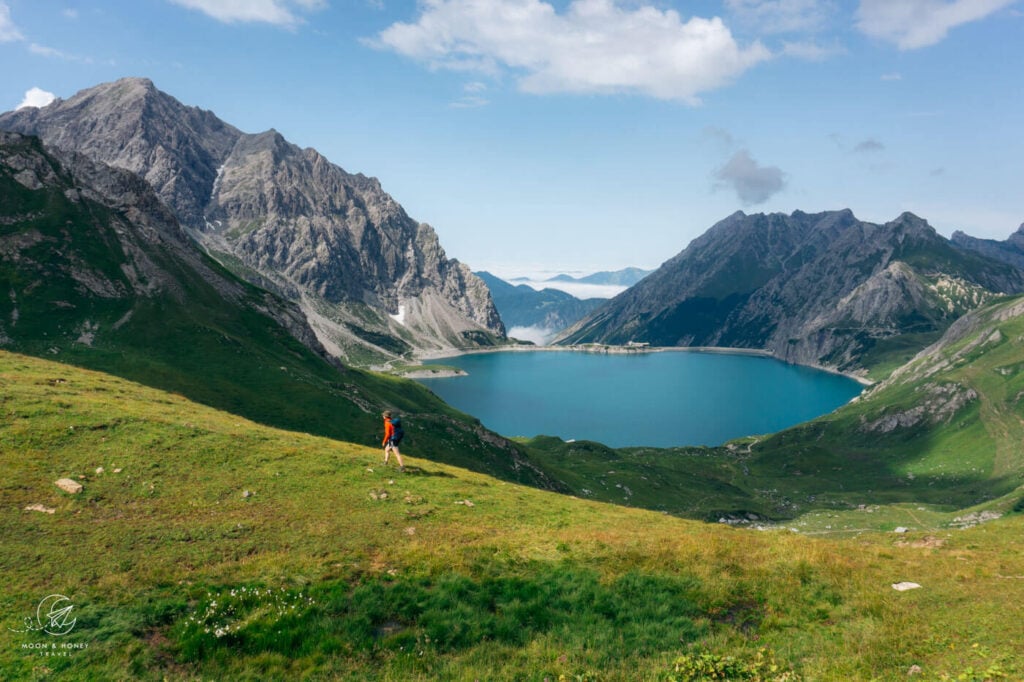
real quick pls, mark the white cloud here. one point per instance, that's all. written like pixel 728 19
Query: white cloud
pixel 594 47
pixel 279 12
pixel 8 31
pixel 912 24
pixel 53 53
pixel 473 96
pixel 754 183
pixel 782 16
pixel 43 51
pixel 811 51
pixel 36 97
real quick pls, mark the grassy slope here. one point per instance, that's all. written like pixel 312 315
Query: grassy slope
pixel 190 339
pixel 818 475
pixel 523 584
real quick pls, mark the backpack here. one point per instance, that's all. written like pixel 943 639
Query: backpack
pixel 398 432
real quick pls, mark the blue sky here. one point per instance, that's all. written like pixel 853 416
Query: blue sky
pixel 586 135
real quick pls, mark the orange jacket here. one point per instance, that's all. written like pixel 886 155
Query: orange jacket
pixel 389 429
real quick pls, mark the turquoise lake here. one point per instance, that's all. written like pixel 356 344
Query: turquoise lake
pixel 654 399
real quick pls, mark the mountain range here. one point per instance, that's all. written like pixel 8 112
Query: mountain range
pixel 626 277
pixel 550 310
pixel 373 283
pixel 819 289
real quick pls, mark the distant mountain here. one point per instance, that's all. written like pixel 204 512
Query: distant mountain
pixel 626 277
pixel 822 288
pixel 96 271
pixel 1010 251
pixel 373 282
pixel 523 306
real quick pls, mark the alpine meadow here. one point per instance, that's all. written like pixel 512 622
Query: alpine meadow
pixel 201 329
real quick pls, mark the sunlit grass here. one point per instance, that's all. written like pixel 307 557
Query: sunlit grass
pixel 335 566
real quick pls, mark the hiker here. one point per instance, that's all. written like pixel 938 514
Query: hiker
pixel 392 437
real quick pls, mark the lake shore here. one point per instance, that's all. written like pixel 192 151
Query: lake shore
pixel 599 349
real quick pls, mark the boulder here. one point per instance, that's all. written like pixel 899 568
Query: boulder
pixel 68 485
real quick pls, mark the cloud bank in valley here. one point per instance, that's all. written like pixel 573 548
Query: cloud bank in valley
pixel 541 336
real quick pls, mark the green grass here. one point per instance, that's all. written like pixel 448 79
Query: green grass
pixel 334 567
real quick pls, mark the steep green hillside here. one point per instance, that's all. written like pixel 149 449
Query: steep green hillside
pixel 937 442
pixel 205 546
pixel 94 271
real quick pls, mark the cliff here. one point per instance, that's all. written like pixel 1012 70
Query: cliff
pixel 373 282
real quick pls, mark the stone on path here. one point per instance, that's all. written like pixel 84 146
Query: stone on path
pixel 68 485
pixel 40 508
pixel 904 586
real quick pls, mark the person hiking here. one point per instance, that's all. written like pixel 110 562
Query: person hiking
pixel 393 433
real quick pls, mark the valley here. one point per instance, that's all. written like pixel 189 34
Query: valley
pixel 188 321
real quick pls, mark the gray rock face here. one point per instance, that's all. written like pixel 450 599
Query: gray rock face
pixel 130 124
pixel 139 246
pixel 814 289
pixel 365 273
pixel 1009 251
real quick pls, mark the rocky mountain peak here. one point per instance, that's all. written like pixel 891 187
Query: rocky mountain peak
pixel 821 288
pixel 1017 237
pixel 909 223
pixel 281 216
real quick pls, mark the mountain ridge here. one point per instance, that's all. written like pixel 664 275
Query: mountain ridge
pixel 822 289
pixel 284 218
pixel 1010 250
pixel 624 277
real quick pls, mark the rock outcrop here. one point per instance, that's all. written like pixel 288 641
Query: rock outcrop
pixel 372 281
pixel 825 289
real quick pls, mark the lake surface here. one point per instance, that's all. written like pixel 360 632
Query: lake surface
pixel 654 399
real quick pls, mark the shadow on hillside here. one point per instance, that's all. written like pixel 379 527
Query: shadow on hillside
pixel 420 471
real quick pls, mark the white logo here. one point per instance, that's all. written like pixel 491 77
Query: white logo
pixel 53 616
